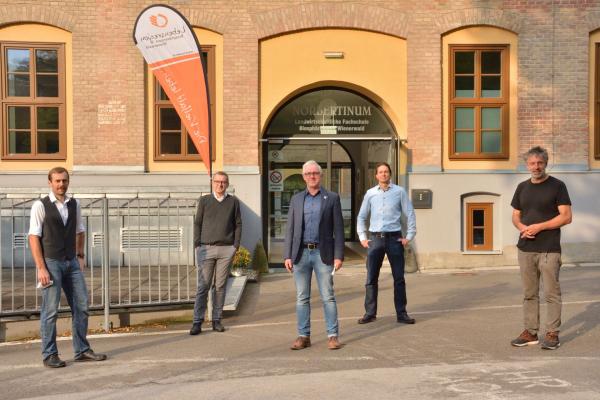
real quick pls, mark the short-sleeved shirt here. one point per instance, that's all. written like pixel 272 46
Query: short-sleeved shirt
pixel 538 202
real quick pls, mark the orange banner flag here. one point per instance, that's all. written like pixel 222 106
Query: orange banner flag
pixel 171 49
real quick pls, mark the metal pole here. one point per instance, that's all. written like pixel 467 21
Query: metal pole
pixel 106 264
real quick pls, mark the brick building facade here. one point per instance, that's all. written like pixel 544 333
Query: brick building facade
pixel 551 76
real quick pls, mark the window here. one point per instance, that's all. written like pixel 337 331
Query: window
pixel 172 140
pixel 479 226
pixel 33 101
pixel 597 105
pixel 478 99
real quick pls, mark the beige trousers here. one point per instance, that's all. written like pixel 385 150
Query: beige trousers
pixel 546 265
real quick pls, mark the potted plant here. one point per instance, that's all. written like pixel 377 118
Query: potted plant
pixel 241 262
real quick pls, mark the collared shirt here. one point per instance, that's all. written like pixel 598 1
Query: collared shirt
pixel 38 213
pixel 312 215
pixel 385 208
pixel 220 199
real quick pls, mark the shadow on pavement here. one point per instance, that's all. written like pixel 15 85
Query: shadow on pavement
pixel 581 323
pixel 150 344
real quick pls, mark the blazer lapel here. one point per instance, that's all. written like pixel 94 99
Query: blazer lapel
pixel 324 201
pixel 301 213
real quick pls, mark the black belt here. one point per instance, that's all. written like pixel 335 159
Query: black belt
pixel 385 234
pixel 311 246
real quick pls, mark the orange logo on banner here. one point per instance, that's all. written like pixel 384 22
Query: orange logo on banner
pixel 154 20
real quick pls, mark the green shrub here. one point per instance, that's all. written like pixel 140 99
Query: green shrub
pixel 259 261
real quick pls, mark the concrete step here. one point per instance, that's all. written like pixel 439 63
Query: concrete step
pixel 234 291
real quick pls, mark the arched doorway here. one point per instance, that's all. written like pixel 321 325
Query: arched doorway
pixel 345 132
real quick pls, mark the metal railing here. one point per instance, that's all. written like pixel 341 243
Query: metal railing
pixel 139 251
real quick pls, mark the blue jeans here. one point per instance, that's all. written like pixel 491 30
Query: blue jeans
pixel 311 260
pixel 66 276
pixel 378 247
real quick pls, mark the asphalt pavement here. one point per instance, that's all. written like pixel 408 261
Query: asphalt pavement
pixel 458 349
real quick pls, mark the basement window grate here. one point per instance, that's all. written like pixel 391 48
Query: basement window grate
pixel 151 238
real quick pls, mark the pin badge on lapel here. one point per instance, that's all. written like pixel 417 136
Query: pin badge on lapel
pixel 325 197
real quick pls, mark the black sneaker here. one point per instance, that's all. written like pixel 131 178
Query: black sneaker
pixel 218 326
pixel 53 361
pixel 525 339
pixel 196 329
pixel 366 319
pixel 404 318
pixel 90 356
pixel 551 341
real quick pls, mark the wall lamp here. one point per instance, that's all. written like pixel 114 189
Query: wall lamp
pixel 333 54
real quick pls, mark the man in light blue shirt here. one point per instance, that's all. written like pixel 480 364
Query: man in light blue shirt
pixel 383 206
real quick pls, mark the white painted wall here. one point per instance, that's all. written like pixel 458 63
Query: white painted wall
pixel 438 241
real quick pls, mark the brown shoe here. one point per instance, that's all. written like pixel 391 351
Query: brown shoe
pixel 525 339
pixel 300 343
pixel 551 341
pixel 333 343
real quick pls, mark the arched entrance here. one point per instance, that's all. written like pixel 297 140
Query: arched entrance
pixel 346 133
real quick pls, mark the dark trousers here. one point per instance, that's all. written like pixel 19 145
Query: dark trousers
pixel 378 247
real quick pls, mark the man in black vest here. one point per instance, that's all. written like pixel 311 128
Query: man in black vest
pixel 56 239
pixel 217 235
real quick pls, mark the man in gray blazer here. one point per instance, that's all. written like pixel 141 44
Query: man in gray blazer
pixel 314 241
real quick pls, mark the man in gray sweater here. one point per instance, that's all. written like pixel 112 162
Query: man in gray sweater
pixel 217 233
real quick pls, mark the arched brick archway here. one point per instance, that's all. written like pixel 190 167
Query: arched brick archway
pixel 330 15
pixel 508 20
pixel 36 14
pixel 216 22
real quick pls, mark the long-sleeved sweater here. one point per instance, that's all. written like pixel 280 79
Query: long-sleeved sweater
pixel 218 222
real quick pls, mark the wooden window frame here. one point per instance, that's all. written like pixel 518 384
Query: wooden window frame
pixel 34 102
pixel 478 103
pixel 597 104
pixel 161 104
pixel 488 227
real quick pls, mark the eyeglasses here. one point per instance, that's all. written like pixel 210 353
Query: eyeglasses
pixel 312 173
pixel 221 182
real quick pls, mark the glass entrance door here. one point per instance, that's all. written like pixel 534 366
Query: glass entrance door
pixel 348 169
pixel 284 179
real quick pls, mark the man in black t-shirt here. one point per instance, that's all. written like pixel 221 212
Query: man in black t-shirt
pixel 541 205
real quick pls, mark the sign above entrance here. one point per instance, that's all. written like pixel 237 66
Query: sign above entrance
pixel 330 112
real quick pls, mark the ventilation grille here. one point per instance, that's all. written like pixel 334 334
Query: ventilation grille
pixel 19 241
pixel 151 238
pixel 97 239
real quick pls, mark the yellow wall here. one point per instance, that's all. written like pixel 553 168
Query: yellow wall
pixel 483 35
pixel 594 38
pixel 45 34
pixel 374 64
pixel 205 37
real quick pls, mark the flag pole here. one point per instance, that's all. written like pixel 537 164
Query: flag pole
pixel 210 132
